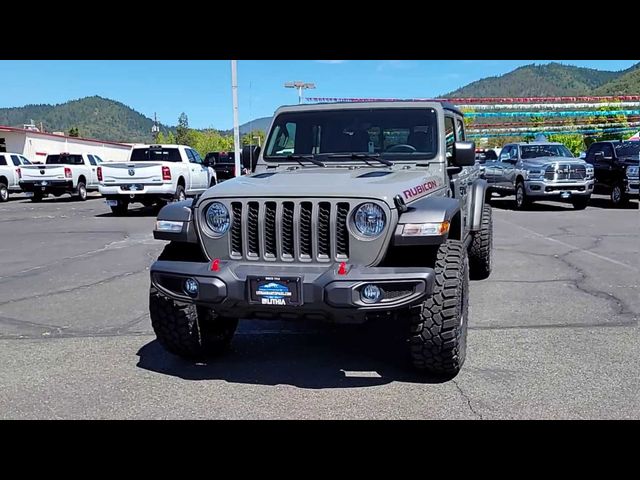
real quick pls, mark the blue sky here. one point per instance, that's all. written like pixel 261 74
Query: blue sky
pixel 202 88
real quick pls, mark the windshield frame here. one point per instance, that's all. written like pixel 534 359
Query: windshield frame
pixel 432 121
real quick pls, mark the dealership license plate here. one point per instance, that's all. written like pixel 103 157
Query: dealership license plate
pixel 565 194
pixel 112 203
pixel 29 194
pixel 133 187
pixel 272 290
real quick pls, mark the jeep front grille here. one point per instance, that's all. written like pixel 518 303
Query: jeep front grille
pixel 563 172
pixel 302 231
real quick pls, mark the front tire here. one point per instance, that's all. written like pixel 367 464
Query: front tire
pixel 481 247
pixel 438 335
pixel 522 202
pixel 4 193
pixel 618 196
pixel 81 192
pixel 187 330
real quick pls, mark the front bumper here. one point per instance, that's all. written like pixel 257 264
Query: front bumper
pixel 540 189
pixel 134 189
pixel 324 293
pixel 47 186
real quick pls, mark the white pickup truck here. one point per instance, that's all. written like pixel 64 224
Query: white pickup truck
pixel 154 174
pixel 73 173
pixel 10 173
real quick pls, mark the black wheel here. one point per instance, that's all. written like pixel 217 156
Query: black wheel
pixel 618 196
pixel 121 208
pixel 179 195
pixel 81 191
pixel 4 193
pixel 189 331
pixel 481 247
pixel 438 337
pixel 580 203
pixel 37 197
pixel 522 202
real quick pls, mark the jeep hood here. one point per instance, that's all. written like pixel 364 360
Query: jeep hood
pixel 377 183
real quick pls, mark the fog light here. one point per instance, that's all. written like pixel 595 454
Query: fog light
pixel 191 287
pixel 371 293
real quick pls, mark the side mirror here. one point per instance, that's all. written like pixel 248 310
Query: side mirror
pixel 598 156
pixel 464 154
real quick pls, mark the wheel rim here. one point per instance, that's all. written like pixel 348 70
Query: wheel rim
pixel 83 192
pixel 519 195
pixel 616 194
pixel 181 196
pixel 4 193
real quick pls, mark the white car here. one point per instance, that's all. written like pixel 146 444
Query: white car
pixel 154 174
pixel 73 173
pixel 10 173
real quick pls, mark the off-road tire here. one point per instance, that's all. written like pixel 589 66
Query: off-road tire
pixel 580 203
pixel 179 195
pixel 189 331
pixel 618 196
pixel 81 192
pixel 438 327
pixel 481 247
pixel 4 193
pixel 121 209
pixel 522 201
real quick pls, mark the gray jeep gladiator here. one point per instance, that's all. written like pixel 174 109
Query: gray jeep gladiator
pixel 355 211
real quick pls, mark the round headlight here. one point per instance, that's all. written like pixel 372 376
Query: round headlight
pixel 218 218
pixel 369 219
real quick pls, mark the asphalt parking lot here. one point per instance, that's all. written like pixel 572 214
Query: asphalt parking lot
pixel 553 332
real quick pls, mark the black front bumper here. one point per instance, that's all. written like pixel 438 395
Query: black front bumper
pixel 325 294
pixel 50 186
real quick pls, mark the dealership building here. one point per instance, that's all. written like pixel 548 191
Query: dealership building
pixel 36 145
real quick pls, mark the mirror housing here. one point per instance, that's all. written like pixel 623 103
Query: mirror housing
pixel 464 154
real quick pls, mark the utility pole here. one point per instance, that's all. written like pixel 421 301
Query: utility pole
pixel 155 130
pixel 300 86
pixel 236 128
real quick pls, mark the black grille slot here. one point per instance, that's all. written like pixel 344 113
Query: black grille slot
pixel 398 290
pixel 270 248
pixel 324 229
pixel 253 239
pixel 342 235
pixel 549 173
pixel 236 229
pixel 287 229
pixel 305 229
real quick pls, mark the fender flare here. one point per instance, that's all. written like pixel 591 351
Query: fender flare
pixel 476 203
pixel 427 210
pixel 178 212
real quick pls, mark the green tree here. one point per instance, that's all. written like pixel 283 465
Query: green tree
pixel 184 135
pixel 250 138
pixel 574 142
pixel 73 132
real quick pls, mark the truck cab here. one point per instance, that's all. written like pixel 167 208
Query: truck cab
pixel 10 173
pixel 616 167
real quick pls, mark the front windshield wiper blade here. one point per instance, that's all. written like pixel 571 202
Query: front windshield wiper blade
pixel 310 158
pixel 357 156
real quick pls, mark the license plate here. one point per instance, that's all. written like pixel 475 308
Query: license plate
pixel 43 183
pixel 565 194
pixel 272 290
pixel 133 187
pixel 29 194
pixel 112 203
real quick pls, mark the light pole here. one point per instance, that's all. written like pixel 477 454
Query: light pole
pixel 300 86
pixel 236 128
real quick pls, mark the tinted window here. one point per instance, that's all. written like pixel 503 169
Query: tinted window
pixel 190 155
pixel 98 159
pixel 607 150
pixel 197 157
pixel 92 161
pixel 63 159
pixel 449 135
pixel 226 157
pixel 536 151
pixel 25 161
pixel 628 149
pixel 2 160
pixel 397 133
pixel 505 154
pixel 155 155
pixel 15 160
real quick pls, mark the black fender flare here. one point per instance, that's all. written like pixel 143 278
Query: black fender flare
pixel 476 203
pixel 178 212
pixel 427 210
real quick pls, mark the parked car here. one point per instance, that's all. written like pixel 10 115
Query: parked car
pixel 616 166
pixel 540 171
pixel 385 218
pixel 154 174
pixel 72 173
pixel 224 163
pixel 10 173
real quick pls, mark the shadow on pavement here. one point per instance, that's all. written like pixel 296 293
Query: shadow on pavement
pixel 510 204
pixel 606 204
pixel 133 212
pixel 346 357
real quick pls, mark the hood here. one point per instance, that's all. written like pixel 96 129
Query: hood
pixel 540 161
pixel 378 183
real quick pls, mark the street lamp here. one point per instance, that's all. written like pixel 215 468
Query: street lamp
pixel 300 86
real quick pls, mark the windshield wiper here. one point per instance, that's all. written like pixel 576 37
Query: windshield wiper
pixel 362 156
pixel 310 158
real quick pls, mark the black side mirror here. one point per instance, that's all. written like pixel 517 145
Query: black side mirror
pixel 464 154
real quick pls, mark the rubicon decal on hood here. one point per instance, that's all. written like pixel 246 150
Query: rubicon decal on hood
pixel 420 190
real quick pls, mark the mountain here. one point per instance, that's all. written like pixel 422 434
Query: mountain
pixel 261 123
pixel 95 117
pixel 626 84
pixel 553 79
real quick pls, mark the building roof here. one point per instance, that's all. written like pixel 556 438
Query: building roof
pixel 4 128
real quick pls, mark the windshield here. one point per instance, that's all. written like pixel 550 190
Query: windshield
pixel 225 157
pixel 398 134
pixel 628 149
pixel 155 155
pixel 535 151
pixel 63 159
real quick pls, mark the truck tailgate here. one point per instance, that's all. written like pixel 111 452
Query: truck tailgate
pixel 128 173
pixel 43 172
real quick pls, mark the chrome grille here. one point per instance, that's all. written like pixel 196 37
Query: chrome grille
pixel 564 172
pixel 305 231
